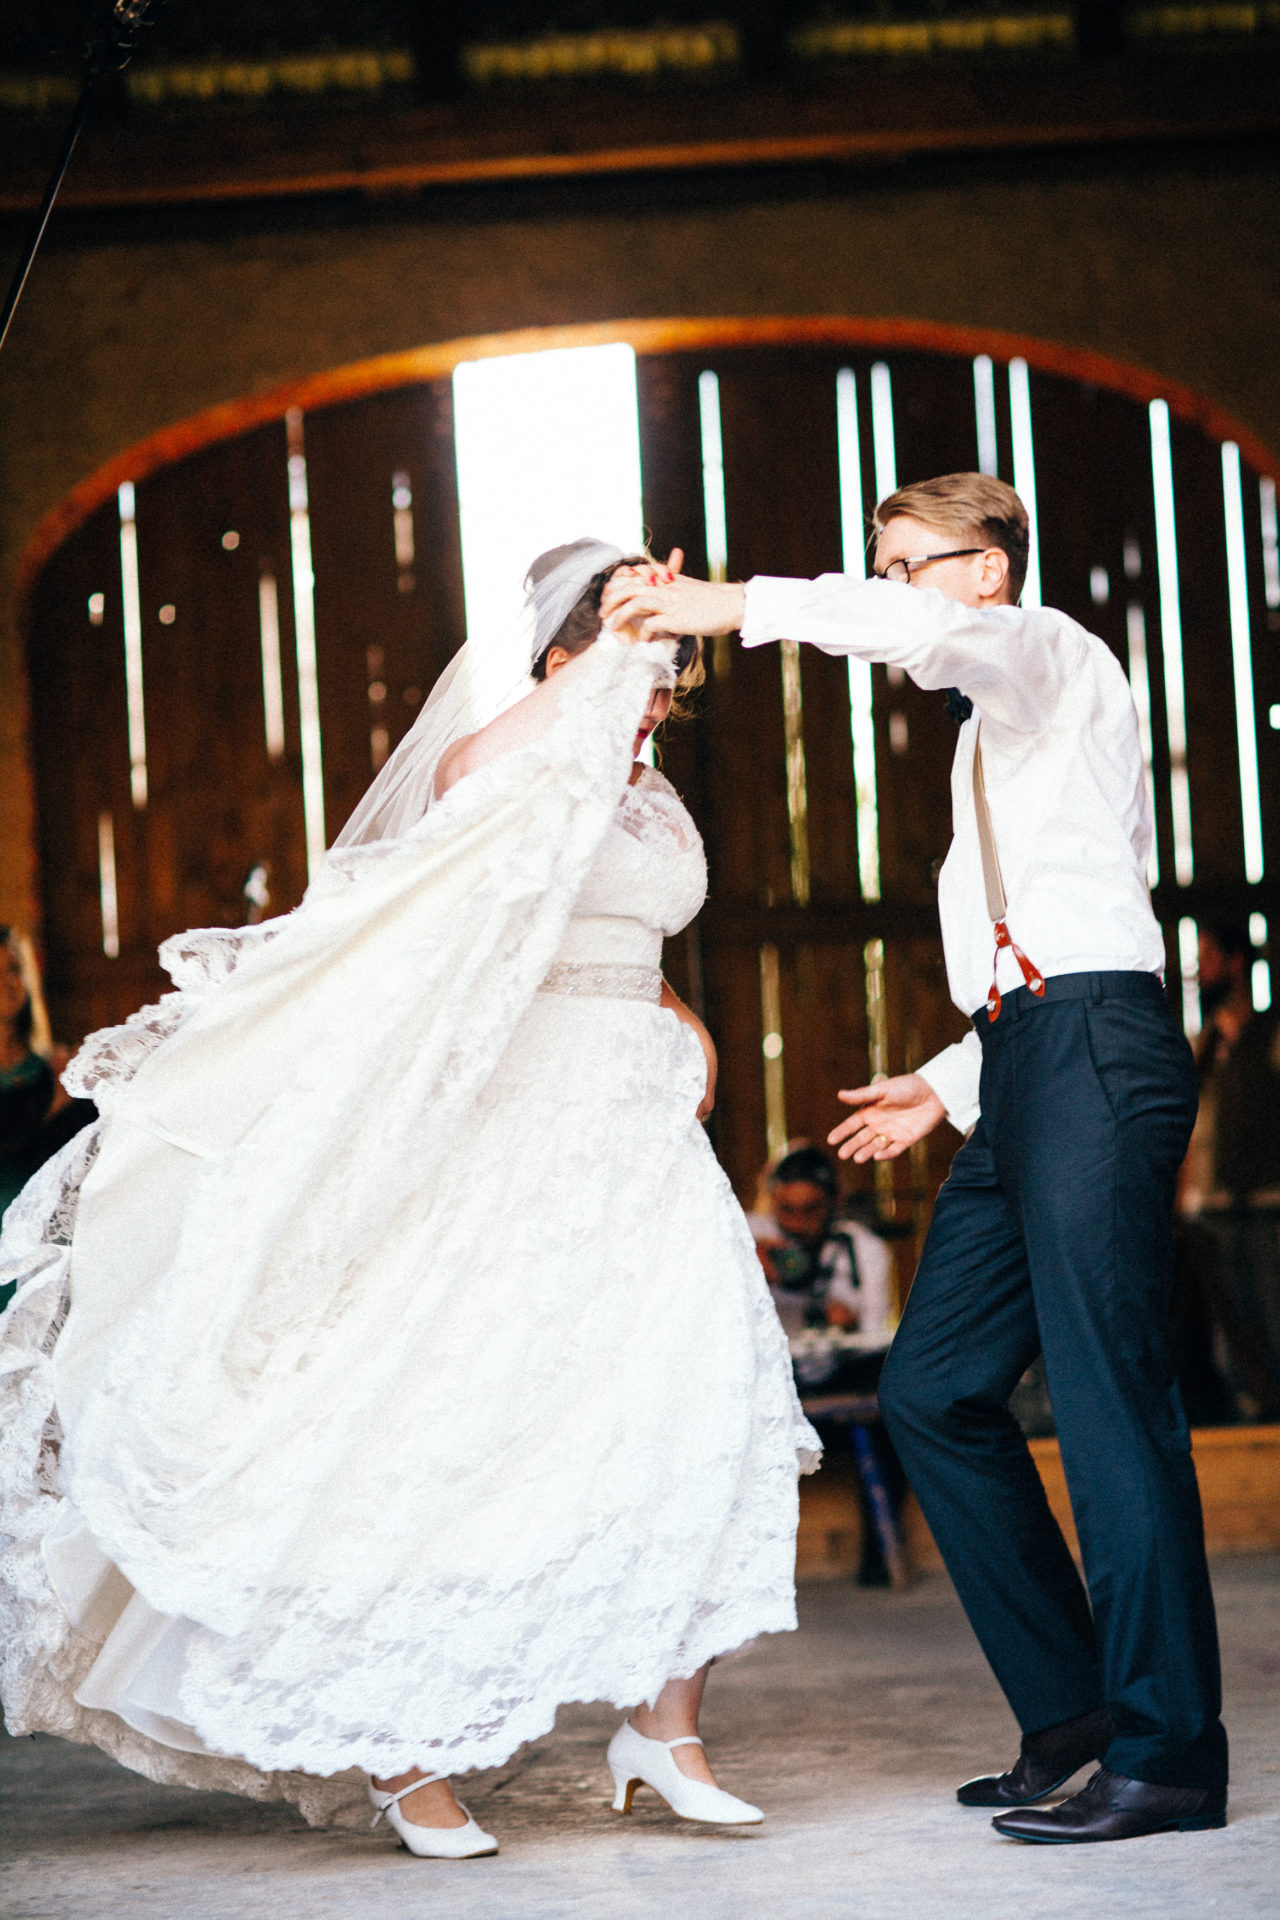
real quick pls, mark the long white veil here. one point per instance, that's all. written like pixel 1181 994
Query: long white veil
pixel 485 677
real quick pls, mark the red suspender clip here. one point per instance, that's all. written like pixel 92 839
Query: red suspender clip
pixel 1030 972
pixel 994 885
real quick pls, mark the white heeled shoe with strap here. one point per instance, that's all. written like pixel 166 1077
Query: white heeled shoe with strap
pixel 430 1843
pixel 637 1761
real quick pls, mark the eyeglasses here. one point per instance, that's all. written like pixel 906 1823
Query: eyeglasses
pixel 902 570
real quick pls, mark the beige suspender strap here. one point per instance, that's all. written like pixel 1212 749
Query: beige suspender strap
pixel 997 905
pixel 993 881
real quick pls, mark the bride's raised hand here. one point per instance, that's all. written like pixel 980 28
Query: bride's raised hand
pixel 625 580
pixel 633 594
pixel 890 1116
pixel 659 607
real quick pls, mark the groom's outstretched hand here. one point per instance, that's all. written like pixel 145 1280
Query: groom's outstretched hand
pixel 665 601
pixel 890 1117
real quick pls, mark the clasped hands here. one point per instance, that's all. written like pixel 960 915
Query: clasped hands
pixel 658 602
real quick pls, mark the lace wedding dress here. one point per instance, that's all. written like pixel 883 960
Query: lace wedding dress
pixel 393 1363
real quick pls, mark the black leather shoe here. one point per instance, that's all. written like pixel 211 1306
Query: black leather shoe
pixel 1113 1807
pixel 1047 1761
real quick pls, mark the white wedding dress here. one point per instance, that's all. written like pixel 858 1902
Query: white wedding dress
pixel 393 1362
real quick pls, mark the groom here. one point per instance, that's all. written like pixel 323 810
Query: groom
pixel 1076 1093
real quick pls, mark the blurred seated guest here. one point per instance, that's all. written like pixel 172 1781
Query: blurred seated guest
pixel 1227 1283
pixel 36 1115
pixel 824 1266
pixel 829 1268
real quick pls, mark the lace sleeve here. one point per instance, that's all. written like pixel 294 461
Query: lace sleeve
pixel 198 962
pixel 112 1056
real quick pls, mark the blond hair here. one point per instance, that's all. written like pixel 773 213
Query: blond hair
pixel 968 506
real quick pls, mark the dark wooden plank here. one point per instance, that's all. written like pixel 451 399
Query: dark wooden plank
pixel 1264 623
pixel 380 624
pixel 81 765
pixel 218 804
pixel 1213 762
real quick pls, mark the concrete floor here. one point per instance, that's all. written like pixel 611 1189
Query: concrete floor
pixel 853 1734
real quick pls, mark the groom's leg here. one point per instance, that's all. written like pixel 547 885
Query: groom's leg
pixel 968 1334
pixel 1106 1099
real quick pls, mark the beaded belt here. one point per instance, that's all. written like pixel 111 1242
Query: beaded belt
pixel 604 980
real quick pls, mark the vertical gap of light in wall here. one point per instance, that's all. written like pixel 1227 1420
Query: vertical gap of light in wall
pixel 1189 968
pixel 304 633
pixel 877 1042
pixel 375 662
pixel 272 682
pixel 884 453
pixel 775 1098
pixel 877 1010
pixel 1024 471
pixel 853 536
pixel 132 608
pixel 107 886
pixel 984 405
pixel 1171 641
pixel 1140 687
pixel 882 440
pixel 797 789
pixel 713 511
pixel 1260 974
pixel 1242 661
pixel 715 521
pixel 548 451
pixel 1270 542
pixel 402 530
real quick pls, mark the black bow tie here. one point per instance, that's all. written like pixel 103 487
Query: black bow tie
pixel 959 705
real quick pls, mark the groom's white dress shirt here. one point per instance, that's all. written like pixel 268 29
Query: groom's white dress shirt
pixel 1064 777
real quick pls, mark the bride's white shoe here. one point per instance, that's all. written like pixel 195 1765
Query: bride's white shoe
pixel 635 1761
pixel 430 1843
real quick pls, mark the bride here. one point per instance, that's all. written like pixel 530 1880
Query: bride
pixel 392 1362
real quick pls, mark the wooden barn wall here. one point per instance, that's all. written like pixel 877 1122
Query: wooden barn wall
pixel 133 322
pixel 218 804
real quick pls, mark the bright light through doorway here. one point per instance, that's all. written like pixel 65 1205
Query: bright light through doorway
pixel 548 448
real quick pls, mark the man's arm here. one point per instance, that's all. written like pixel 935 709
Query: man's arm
pixel 891 1115
pixel 1012 661
pixel 954 1075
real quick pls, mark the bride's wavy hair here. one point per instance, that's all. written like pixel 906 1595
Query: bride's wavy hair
pixel 581 626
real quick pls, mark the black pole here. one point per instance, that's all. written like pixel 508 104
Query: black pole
pixel 107 55
pixel 19 280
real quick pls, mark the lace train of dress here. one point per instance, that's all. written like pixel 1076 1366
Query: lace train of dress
pixel 430 1380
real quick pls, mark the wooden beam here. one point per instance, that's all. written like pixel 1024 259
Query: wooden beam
pixel 1100 27
pixel 765 38
pixel 386 371
pixel 437 48
pixel 889 113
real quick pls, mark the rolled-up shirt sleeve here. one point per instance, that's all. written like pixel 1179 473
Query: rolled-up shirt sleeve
pixel 1012 661
pixel 954 1074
